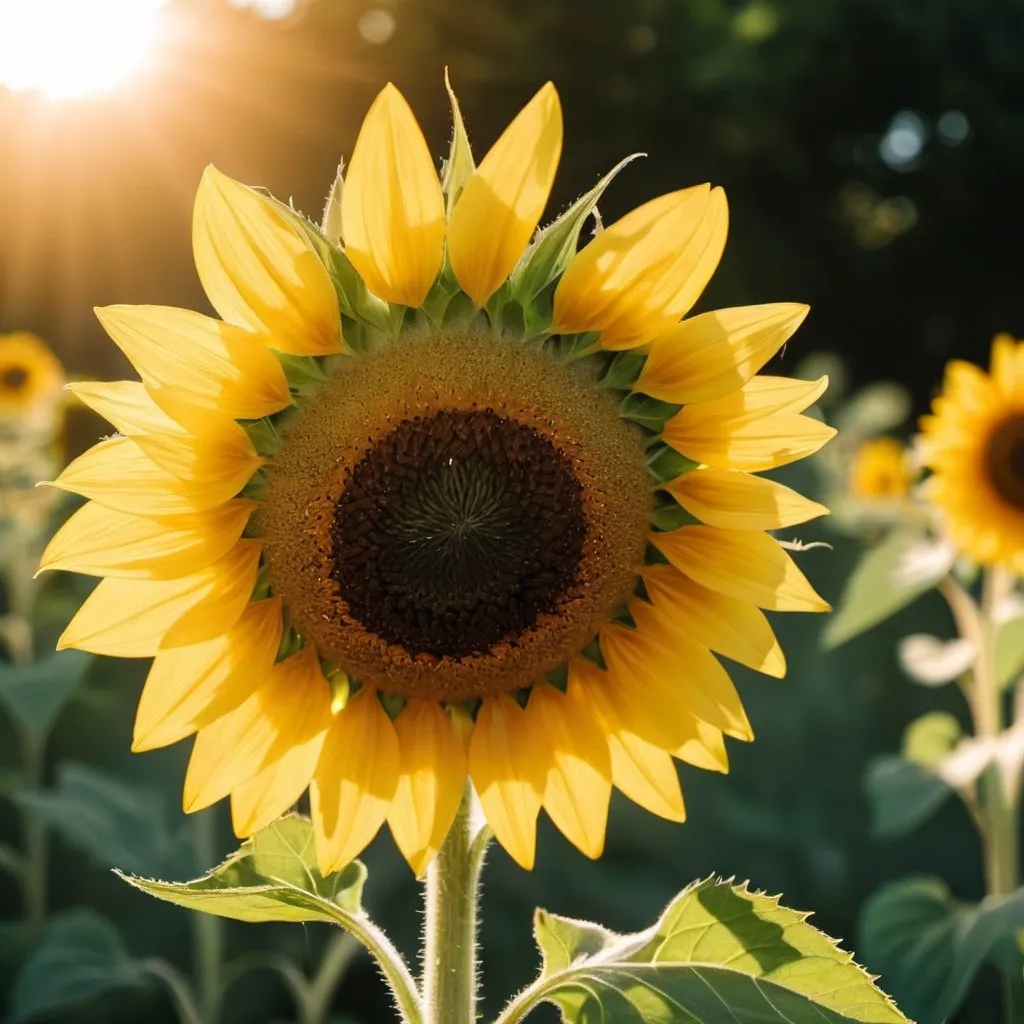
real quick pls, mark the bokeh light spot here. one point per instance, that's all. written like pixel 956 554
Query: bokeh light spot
pixel 69 49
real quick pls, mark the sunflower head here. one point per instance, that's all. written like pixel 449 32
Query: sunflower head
pixel 440 497
pixel 973 442
pixel 31 376
pixel 880 471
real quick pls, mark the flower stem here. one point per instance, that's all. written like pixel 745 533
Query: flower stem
pixel 208 930
pixel 451 894
pixel 316 1004
pixel 34 832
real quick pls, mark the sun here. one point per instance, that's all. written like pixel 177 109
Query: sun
pixel 71 49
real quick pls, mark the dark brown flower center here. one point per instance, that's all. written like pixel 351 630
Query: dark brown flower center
pixel 13 378
pixel 455 531
pixel 1004 459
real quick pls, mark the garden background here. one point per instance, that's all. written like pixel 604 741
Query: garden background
pixel 872 152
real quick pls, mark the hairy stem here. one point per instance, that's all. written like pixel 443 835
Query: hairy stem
pixel 451 894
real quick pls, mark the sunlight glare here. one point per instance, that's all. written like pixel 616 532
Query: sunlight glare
pixel 69 49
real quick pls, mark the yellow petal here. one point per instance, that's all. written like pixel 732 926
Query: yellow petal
pixel 118 474
pixel 735 629
pixel 260 270
pixel 355 780
pixel 392 206
pixel 509 771
pixel 189 687
pixel 739 501
pixel 705 749
pixel 745 565
pixel 664 678
pixel 99 541
pixel 640 769
pixel 711 355
pixel 134 618
pixel 578 785
pixel 502 202
pixel 431 780
pixel 126 405
pixel 639 276
pixel 290 708
pixel 277 786
pixel 753 429
pixel 219 364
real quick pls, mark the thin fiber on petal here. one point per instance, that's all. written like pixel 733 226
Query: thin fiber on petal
pixel 716 353
pixel 226 367
pixel 578 785
pixel 259 268
pixel 743 564
pixel 99 541
pixel 392 206
pixel 509 772
pixel 643 771
pixel 502 202
pixel 739 501
pixel 189 687
pixel 636 279
pixel 129 618
pixel 290 708
pixel 355 780
pixel 431 780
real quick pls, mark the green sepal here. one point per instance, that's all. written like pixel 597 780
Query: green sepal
pixel 459 166
pixel 624 370
pixel 577 346
pixel 671 516
pixel 355 300
pixel 304 374
pixel 264 437
pixel 331 225
pixel 558 677
pixel 256 487
pixel 719 952
pixel 665 463
pixel 651 413
pixel 553 248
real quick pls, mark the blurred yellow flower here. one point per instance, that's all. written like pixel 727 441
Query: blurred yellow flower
pixel 974 444
pixel 880 471
pixel 31 376
pixel 453 559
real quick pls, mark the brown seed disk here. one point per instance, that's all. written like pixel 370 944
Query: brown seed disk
pixel 455 515
pixel 1004 458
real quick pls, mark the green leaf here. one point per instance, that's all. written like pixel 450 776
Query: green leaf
pixel 554 247
pixel 929 946
pixel 1010 652
pixel 885 580
pixel 719 952
pixel 273 877
pixel 928 740
pixel 116 824
pixel 459 166
pixel 902 795
pixel 81 955
pixel 34 695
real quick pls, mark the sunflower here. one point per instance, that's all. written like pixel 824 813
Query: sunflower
pixel 880 471
pixel 974 444
pixel 30 375
pixel 443 502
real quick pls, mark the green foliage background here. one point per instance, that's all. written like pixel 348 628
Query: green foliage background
pixel 785 103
